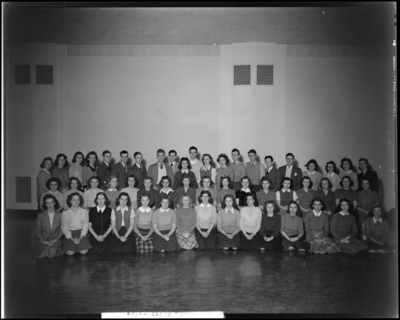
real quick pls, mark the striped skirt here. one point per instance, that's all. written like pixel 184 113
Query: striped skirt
pixel 144 246
pixel 326 246
pixel 225 242
pixel 69 245
pixel 188 243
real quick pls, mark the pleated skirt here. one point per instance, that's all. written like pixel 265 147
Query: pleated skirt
pixel 168 246
pixel 69 245
pixel 225 242
pixel 117 246
pixel 327 246
pixel 273 245
pixel 354 246
pixel 144 246
pixel 208 243
pixel 250 245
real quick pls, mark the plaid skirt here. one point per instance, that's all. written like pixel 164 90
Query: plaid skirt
pixel 144 246
pixel 327 246
pixel 224 241
pixel 69 245
pixel 273 245
pixel 299 244
pixel 187 243
pixel 354 246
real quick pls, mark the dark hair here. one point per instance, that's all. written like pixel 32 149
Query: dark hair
pixel 44 160
pixel 59 156
pixel 112 177
pixel 187 160
pixel 184 176
pixel 252 151
pixel 287 179
pixel 271 185
pixel 246 177
pixel 289 155
pixel 348 160
pixel 223 155
pixel 145 195
pixel 193 147
pixel 234 204
pixel 276 208
pixel 74 179
pixel 229 182
pixel 318 199
pixel 307 178
pixel 136 153
pixel 105 152
pixel 366 161
pixel 298 212
pixel 206 155
pixel 81 201
pixel 365 179
pixel 210 200
pixel 346 177
pixel 310 162
pixel 330 185
pixel 332 163
pixel 107 202
pixel 77 154
pixel 52 180
pixel 170 202
pixel 50 196
pixel 128 203
pixel 94 177
pixel 205 177
pixel 91 153
pixel 266 157
pixel 376 206
pixel 148 178
pixel 162 179
pixel 131 176
pixel 160 151
pixel 254 198
pixel 233 150
pixel 123 152
pixel 172 151
pixel 348 202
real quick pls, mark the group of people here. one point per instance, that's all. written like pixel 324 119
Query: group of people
pixel 89 208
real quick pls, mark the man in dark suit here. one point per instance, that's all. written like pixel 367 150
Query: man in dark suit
pixel 172 161
pixel 159 169
pixel 273 174
pixel 104 169
pixel 291 171
pixel 138 170
pixel 120 170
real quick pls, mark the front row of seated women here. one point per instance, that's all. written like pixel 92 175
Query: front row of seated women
pixel 168 230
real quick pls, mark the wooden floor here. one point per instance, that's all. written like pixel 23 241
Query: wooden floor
pixel 233 282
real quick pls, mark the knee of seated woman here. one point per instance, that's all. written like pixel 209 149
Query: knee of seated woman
pixel 70 253
pixel 83 252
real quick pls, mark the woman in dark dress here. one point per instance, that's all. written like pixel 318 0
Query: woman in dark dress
pixel 270 230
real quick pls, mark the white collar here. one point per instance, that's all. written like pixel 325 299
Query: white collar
pixel 138 165
pixel 206 168
pixel 344 214
pixel 193 162
pixel 141 209
pixel 317 214
pixel 331 174
pixel 122 210
pixel 309 173
pixel 106 164
pixel 270 168
pixel 185 170
pixel 348 172
pixel 162 210
pixel 124 164
pixel 169 190
pixel 289 166
pixel 205 206
pixel 232 210
pixel 245 190
pixel 376 220
pixel 172 163
pixel 110 189
pixel 283 190
pixel 100 209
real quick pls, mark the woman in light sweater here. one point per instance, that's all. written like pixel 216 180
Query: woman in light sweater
pixel 292 229
pixel 250 223
pixel 186 224
pixel 206 220
pixel 228 224
pixel 76 168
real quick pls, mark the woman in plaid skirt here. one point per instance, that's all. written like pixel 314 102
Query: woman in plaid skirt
pixel 228 224
pixel 186 223
pixel 143 227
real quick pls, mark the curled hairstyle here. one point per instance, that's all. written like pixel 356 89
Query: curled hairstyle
pixel 205 177
pixel 44 160
pixel 180 201
pixel 323 208
pixel 309 179
pixel 66 164
pixel 107 201
pixel 206 155
pixel 286 179
pixel 312 161
pixel 366 162
pixel 298 212
pixel 127 179
pixel 346 177
pixel 276 208
pixel 53 180
pixel 128 203
pixel 79 187
pixel 223 155
pixel 330 185
pixel 268 180
pixel 77 154
pixel 165 178
pixel 113 177
pixel 91 153
pixel 349 161
pixel 81 201
pixel 246 177
pixel 210 199
pixel 254 198
pixel 234 204
pixel 50 196
pixel 332 163
pixel 348 203
pixel 229 182
pixel 90 180
pixel 189 166
pixel 184 176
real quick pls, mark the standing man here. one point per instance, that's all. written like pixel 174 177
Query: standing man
pixel 255 170
pixel 172 161
pixel 272 173
pixel 138 170
pixel 104 169
pixel 195 163
pixel 120 170
pixel 291 171
pixel 239 169
pixel 160 169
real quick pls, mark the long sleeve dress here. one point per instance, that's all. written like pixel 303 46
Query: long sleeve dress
pixel 48 227
pixel 292 226
pixel 250 222
pixel 228 220
pixel 271 227
pixel 186 222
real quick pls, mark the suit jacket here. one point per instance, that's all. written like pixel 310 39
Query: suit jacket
pixel 43 230
pixel 153 172
pixel 119 171
pixel 275 177
pixel 296 176
pixel 104 172
pixel 174 167
pixel 139 174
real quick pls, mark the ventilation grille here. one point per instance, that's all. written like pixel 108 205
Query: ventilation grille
pixel 38 195
pixel 241 75
pixel 265 75
pixel 23 188
pixel 44 74
pixel 22 74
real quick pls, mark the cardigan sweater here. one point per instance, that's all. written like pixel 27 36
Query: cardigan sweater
pixel 314 223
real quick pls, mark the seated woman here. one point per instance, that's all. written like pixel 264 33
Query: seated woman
pixel 347 166
pixel 206 220
pixel 241 195
pixel 112 192
pixel 122 223
pixel 266 193
pixel 345 192
pixel 313 174
pixel 305 195
pixel 228 224
pixel 344 230
pixel 317 229
pixel 166 192
pixel 100 225
pixel 74 185
pixel 75 226
pixel 60 171
pixel 90 169
pixel 53 185
pixel 366 200
pixel 90 194
pixel 223 170
pixel 250 224
pixel 143 226
pixel 377 232
pixel 48 229
pixel 292 229
pixel 185 190
pixel 224 189
pixel 184 168
pixel 285 195
pixel 332 176
pixel 43 176
pixel 76 168
pixel 327 196
pixel 186 224
pixel 270 229
pixel 207 169
pixel 131 184
pixel 205 184
pixel 164 225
